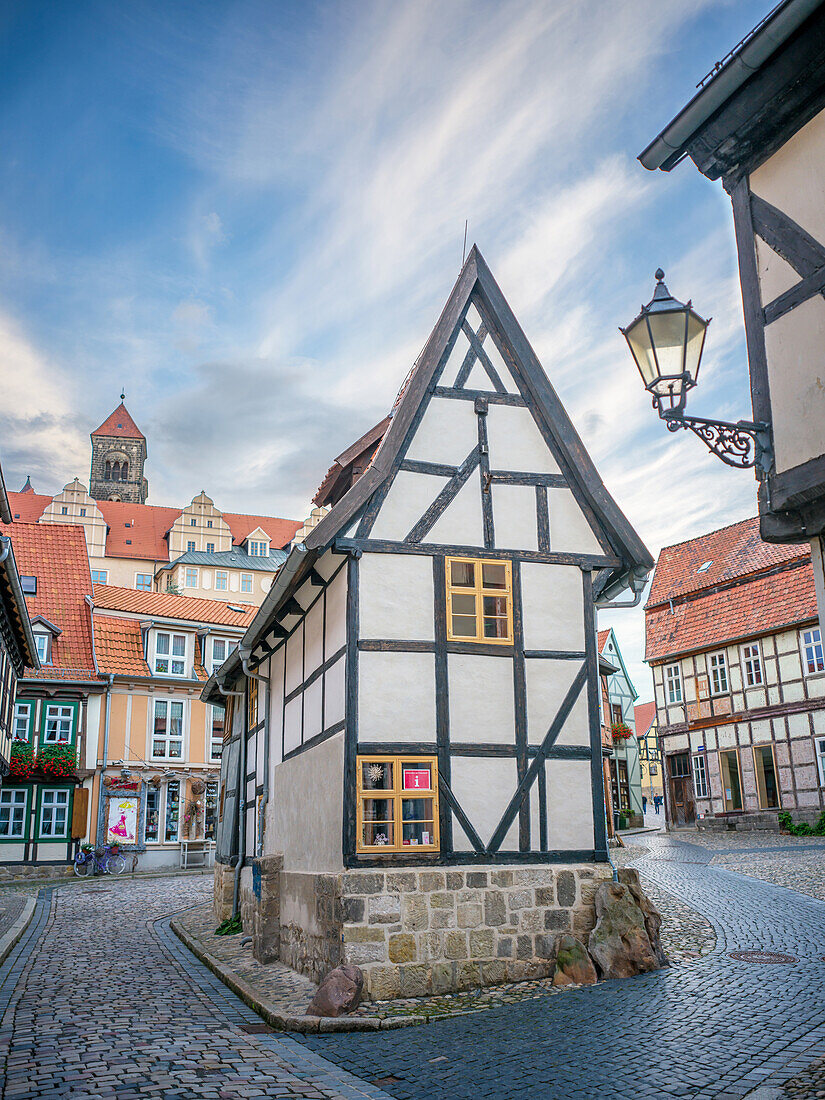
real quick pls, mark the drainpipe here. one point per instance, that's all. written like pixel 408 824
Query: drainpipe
pixel 110 679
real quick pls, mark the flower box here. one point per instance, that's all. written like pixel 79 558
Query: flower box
pixel 57 761
pixel 21 761
pixel 621 731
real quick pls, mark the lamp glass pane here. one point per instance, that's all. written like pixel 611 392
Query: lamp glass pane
pixel 695 341
pixel 639 339
pixel 668 330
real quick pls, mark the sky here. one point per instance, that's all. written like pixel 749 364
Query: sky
pixel 250 213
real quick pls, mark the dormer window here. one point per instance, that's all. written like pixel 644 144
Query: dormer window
pixel 257 548
pixel 170 654
pixel 221 648
pixel 44 648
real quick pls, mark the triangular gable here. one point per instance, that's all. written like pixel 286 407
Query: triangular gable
pixel 477 293
pixel 611 637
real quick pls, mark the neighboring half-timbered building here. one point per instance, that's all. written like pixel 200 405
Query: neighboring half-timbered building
pixel 415 728
pixel 625 769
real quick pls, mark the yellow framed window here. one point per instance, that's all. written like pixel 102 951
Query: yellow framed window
pixel 479 601
pixel 397 804
pixel 252 704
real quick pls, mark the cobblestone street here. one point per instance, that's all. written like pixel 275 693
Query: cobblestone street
pixel 99 999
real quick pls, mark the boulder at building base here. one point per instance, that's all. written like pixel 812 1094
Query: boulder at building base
pixel 629 877
pixel 339 992
pixel 619 944
pixel 573 964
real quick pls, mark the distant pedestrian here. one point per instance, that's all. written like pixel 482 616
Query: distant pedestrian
pixel 657 802
pixel 644 803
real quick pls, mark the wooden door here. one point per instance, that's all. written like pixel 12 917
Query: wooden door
pixel 682 806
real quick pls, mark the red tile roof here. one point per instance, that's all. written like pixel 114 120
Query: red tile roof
pixel 28 506
pixel 119 646
pixel 734 551
pixel 644 715
pixel 750 589
pixel 166 605
pixel 602 639
pixel 55 553
pixel 119 423
pixel 280 531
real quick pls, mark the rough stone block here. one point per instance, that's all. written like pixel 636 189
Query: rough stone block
pixel 501 878
pixel 432 880
pixel 493 972
pixel 443 977
pixel 521 899
pixel 495 909
pixel 477 879
pixel 363 882
pixel 414 912
pixel 516 970
pixel 524 947
pixel 415 980
pixel 545 895
pixel 557 920
pixel 430 946
pixel 531 920
pixel 455 945
pixel 504 948
pixel 400 882
pixel 442 918
pixel 481 943
pixel 465 896
pixel 469 916
pixel 468 975
pixel 455 880
pixel 442 901
pixel 402 948
pixel 383 982
pixel 533 876
pixel 353 910
pixel 360 953
pixel 384 909
pixel 546 946
pixel 566 886
pixel 359 933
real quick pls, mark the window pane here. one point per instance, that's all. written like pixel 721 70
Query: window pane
pixel 462 573
pixel 175 749
pixel 378 833
pixel 158 748
pixel 377 776
pixel 415 777
pixel 178 668
pixel 178 645
pixel 495 605
pixel 176 720
pixel 418 832
pixel 162 645
pixel 152 815
pixel 161 665
pixel 378 809
pixel 219 649
pixel 172 810
pixel 493 576
pixel 416 809
pixel 160 710
pixel 463 604
pixel 464 626
pixel 495 628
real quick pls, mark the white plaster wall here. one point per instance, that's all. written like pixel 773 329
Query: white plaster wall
pixel 496 359
pixel 306 809
pixel 93 750
pixel 484 787
pixel 295 659
pixel 396 596
pixel 793 179
pixel 447 432
pixel 335 692
pixel 276 710
pixel 515 441
pixel 553 606
pixel 396 697
pixel 292 724
pixel 482 706
pixel 453 364
pixel 313 722
pixel 314 641
pixel 408 499
pixel 569 530
pixel 515 516
pixel 337 613
pixel 327 564
pixel 775 274
pixel 462 523
pixel 569 804
pixel 547 684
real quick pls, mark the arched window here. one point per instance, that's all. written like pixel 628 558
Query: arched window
pixel 115 471
pixel 124 472
pixel 107 475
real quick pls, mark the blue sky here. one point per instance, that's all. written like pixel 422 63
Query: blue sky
pixel 250 213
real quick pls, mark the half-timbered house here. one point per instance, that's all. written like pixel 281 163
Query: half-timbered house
pixel 624 764
pixel 414 765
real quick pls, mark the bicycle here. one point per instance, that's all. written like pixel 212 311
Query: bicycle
pixel 106 860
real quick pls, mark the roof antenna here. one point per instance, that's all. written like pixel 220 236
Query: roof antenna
pixel 464 250
pixel 122 394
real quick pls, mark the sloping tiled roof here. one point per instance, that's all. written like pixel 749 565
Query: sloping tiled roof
pixel 28 506
pixel 119 646
pixel 735 551
pixel 644 715
pixel 602 639
pixel 280 531
pixel 167 606
pixel 55 553
pixel 120 423
pixel 748 598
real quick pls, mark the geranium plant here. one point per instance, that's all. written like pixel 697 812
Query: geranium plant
pixel 621 731
pixel 58 761
pixel 21 762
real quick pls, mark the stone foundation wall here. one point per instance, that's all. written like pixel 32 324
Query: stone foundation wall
pixel 421 932
pixel 223 885
pixel 311 923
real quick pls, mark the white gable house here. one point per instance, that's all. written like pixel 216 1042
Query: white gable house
pixel 415 710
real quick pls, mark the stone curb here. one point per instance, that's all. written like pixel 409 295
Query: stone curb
pixel 268 1011
pixel 74 880
pixel 12 937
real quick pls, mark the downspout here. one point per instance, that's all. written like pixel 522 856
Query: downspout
pixel 110 679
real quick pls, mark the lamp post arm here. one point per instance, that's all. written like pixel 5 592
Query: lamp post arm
pixel 743 445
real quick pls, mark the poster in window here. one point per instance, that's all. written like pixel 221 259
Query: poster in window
pixel 123 815
pixel 416 779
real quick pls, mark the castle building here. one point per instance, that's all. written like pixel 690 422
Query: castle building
pixel 198 549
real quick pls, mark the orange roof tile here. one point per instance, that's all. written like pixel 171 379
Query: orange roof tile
pixel 28 506
pixel 120 424
pixel 644 715
pixel 280 531
pixel 734 551
pixel 168 606
pixel 119 646
pixel 55 553
pixel 602 639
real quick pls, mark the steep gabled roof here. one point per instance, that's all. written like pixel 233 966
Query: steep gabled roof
pixel 360 453
pixel 645 716
pixel 119 424
pixel 28 506
pixel 55 553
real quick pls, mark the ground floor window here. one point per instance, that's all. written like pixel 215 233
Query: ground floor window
pixel 820 760
pixel 210 817
pixel 700 777
pixel 731 783
pixel 172 811
pixel 766 783
pixel 621 785
pixel 12 813
pixel 151 833
pixel 397 803
pixel 54 813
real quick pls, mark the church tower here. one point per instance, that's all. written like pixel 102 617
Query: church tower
pixel 118 456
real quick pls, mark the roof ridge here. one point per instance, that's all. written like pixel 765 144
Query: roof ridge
pixel 707 534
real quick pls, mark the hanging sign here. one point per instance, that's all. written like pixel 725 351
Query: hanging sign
pixel 415 779
pixel 122 825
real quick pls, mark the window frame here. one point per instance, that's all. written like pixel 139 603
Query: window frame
pixel 213 737
pixel 97 574
pixel 803 645
pixel 699 771
pixel 250 578
pixel 45 657
pixel 166 737
pixel 760 784
pixel 41 812
pixel 747 659
pixel 192 572
pixel 190 546
pixel 221 580
pixel 721 658
pixel 672 681
pixel 176 838
pixel 152 790
pixel 29 704
pixel 819 751
pixel 145 576
pixel 16 838
pixel 61 704
pixel 396 795
pixel 479 592
pixel 170 656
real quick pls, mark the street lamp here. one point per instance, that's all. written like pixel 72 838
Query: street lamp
pixel 666 341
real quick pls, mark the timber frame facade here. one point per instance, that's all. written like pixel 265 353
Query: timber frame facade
pixel 425 666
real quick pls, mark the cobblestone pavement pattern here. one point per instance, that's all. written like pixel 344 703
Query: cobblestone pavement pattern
pixel 11 906
pixel 100 999
pixel 716 1028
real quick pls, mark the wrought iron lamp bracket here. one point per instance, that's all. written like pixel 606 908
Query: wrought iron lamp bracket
pixel 742 445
